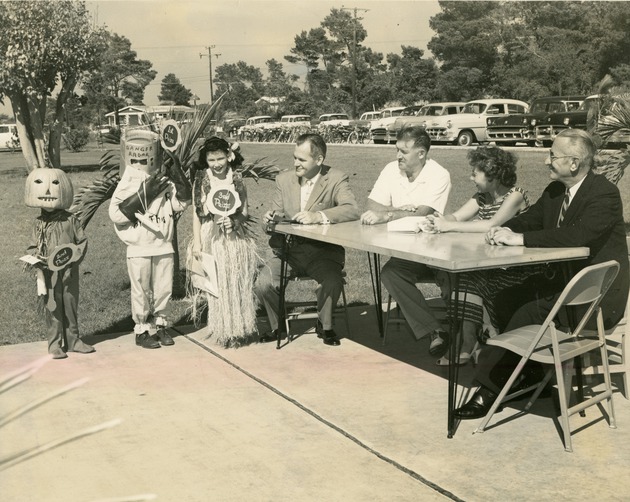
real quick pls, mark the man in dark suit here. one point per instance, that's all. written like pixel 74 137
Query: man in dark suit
pixel 578 208
pixel 312 193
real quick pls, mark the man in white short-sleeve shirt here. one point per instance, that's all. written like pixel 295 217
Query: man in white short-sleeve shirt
pixel 413 185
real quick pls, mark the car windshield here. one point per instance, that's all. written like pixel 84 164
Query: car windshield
pixel 263 120
pixel 432 111
pixel 408 111
pixel 474 108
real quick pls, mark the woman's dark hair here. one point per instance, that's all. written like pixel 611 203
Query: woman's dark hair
pixel 495 163
pixel 215 144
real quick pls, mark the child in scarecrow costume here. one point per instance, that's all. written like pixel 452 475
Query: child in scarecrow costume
pixel 223 243
pixel 143 209
pixel 57 248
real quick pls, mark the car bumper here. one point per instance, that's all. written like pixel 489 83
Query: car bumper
pixel 505 134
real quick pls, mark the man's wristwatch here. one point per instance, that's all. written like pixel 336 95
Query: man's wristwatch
pixel 390 215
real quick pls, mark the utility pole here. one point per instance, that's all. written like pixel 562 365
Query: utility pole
pixel 209 55
pixel 354 57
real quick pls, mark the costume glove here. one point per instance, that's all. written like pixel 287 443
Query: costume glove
pixel 179 179
pixel 138 202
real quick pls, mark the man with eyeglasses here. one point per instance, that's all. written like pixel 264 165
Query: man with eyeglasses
pixel 578 208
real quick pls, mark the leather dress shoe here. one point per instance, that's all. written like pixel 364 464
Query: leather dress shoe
pixel 328 335
pixel 146 341
pixel 164 337
pixel 478 406
pixel 271 336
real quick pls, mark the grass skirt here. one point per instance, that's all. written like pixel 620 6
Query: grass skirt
pixel 231 315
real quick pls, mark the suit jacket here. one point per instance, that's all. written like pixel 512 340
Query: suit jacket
pixel 331 195
pixel 594 219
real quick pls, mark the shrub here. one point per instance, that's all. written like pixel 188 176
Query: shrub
pixel 76 139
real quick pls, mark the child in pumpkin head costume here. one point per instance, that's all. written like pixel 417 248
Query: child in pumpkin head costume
pixel 59 246
pixel 143 208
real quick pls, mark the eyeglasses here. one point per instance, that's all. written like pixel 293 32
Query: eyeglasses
pixel 553 157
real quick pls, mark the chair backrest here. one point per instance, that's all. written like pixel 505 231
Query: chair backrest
pixel 588 286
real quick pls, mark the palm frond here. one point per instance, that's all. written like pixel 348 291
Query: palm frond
pixel 617 118
pixel 193 131
pixel 612 164
pixel 89 198
pixel 260 170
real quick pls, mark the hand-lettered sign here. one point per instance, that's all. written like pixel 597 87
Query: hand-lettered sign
pixel 223 201
pixel 62 256
pixel 170 136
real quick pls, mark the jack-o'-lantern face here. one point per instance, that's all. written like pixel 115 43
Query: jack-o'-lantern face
pixel 49 189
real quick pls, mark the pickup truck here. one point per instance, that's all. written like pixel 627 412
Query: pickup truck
pixel 469 126
pixel 519 127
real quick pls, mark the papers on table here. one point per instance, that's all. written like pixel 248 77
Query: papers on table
pixel 410 224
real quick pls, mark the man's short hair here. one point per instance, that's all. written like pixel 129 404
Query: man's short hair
pixel 318 145
pixel 417 134
pixel 583 144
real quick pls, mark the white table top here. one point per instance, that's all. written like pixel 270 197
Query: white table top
pixel 453 252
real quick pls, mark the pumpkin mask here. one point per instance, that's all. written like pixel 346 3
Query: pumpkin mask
pixel 48 188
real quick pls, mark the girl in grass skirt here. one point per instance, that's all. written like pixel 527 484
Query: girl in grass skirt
pixel 227 240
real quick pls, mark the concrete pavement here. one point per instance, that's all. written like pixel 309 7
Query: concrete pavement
pixel 309 422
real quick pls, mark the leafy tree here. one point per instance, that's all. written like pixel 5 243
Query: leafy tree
pixel 466 35
pixel 413 77
pixel 120 79
pixel 279 83
pixel 174 91
pixel 243 83
pixel 44 45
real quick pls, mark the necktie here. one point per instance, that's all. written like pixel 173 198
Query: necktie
pixel 563 209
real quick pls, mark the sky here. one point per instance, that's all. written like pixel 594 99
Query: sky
pixel 173 33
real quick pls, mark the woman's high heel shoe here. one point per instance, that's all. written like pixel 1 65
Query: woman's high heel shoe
pixel 464 357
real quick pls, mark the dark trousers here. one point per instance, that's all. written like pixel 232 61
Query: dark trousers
pixel 62 321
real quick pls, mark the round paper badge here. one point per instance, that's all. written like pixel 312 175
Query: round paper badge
pixel 223 201
pixel 171 136
pixel 62 256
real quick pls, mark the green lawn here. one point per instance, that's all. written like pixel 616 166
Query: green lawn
pixel 104 305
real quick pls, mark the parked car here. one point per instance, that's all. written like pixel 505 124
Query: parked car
pixel 370 116
pixel 9 140
pixel 383 130
pixel 295 120
pixel 469 126
pixel 341 119
pixel 555 123
pixel 427 111
pixel 510 129
pixel 252 125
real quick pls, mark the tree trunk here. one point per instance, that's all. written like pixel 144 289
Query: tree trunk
pixel 23 121
pixel 56 128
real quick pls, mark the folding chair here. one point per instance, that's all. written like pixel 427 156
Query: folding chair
pixel 617 352
pixel 290 314
pixel 548 345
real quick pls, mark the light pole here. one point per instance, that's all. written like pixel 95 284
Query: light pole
pixel 209 55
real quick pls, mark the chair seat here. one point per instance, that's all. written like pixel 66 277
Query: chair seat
pixel 519 340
